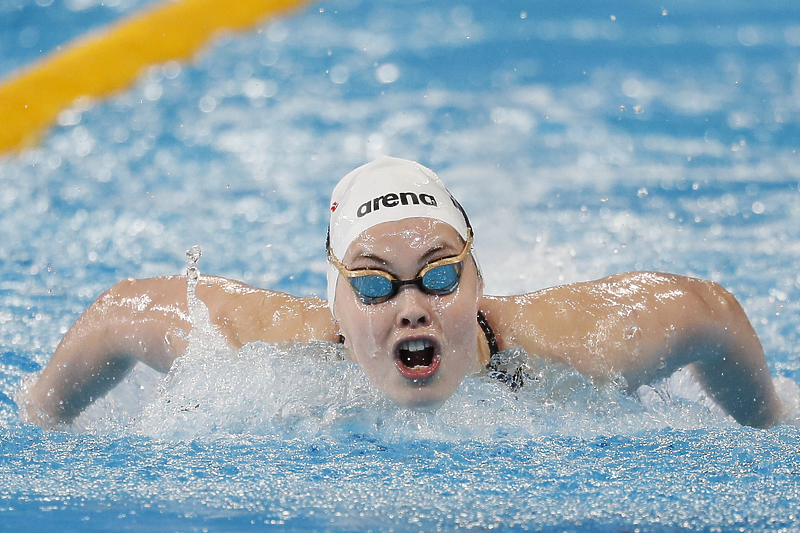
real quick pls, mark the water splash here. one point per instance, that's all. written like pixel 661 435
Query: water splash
pixel 193 256
pixel 308 390
pixel 204 364
pixel 789 392
pixel 203 332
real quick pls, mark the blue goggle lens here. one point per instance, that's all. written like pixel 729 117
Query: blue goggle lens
pixel 372 286
pixel 442 279
pixel 439 280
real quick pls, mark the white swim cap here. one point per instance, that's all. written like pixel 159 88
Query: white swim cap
pixel 386 190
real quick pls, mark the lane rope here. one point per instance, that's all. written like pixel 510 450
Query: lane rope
pixel 101 63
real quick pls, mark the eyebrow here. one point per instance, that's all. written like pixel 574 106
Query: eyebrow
pixel 425 258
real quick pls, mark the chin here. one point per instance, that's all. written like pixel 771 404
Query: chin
pixel 421 397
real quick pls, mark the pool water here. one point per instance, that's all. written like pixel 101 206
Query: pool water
pixel 583 139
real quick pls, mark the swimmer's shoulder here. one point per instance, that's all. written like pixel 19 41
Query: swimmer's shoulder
pixel 558 322
pixel 241 312
pixel 245 314
pixel 506 312
pixel 546 324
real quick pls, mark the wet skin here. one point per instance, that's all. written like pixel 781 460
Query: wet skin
pixel 639 326
pixel 442 329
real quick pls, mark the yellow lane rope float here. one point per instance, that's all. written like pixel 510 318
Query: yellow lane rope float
pixel 98 64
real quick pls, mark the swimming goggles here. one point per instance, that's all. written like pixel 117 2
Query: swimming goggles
pixel 376 286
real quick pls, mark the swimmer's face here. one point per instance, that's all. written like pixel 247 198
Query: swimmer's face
pixel 416 347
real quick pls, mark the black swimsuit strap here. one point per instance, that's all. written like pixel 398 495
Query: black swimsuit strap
pixel 488 333
pixel 509 367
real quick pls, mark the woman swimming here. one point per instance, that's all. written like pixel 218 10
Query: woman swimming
pixel 405 296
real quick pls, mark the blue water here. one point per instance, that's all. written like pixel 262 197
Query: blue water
pixel 584 139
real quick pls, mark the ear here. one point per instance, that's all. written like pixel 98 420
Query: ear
pixel 348 352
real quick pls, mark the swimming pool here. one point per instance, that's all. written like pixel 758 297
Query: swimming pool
pixel 582 141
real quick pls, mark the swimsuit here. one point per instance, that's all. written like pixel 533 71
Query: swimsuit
pixel 507 367
pixel 489 333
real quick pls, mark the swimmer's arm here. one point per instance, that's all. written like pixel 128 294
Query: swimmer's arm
pixel 147 321
pixel 136 320
pixel 643 327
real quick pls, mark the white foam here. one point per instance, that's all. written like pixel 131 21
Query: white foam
pixel 789 392
pixel 309 390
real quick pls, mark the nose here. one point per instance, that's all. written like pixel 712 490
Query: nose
pixel 413 307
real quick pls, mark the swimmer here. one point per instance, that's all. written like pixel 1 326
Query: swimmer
pixel 405 297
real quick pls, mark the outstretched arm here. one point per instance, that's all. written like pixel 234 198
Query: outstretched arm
pixel 148 320
pixel 644 326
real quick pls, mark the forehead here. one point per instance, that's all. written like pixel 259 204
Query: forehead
pixel 398 238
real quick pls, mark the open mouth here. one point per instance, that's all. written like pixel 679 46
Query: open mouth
pixel 417 358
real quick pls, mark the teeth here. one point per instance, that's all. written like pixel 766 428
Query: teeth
pixel 416 345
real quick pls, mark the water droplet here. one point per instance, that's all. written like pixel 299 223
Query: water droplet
pixel 207 104
pixel 630 332
pixel 387 73
pixel 193 255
